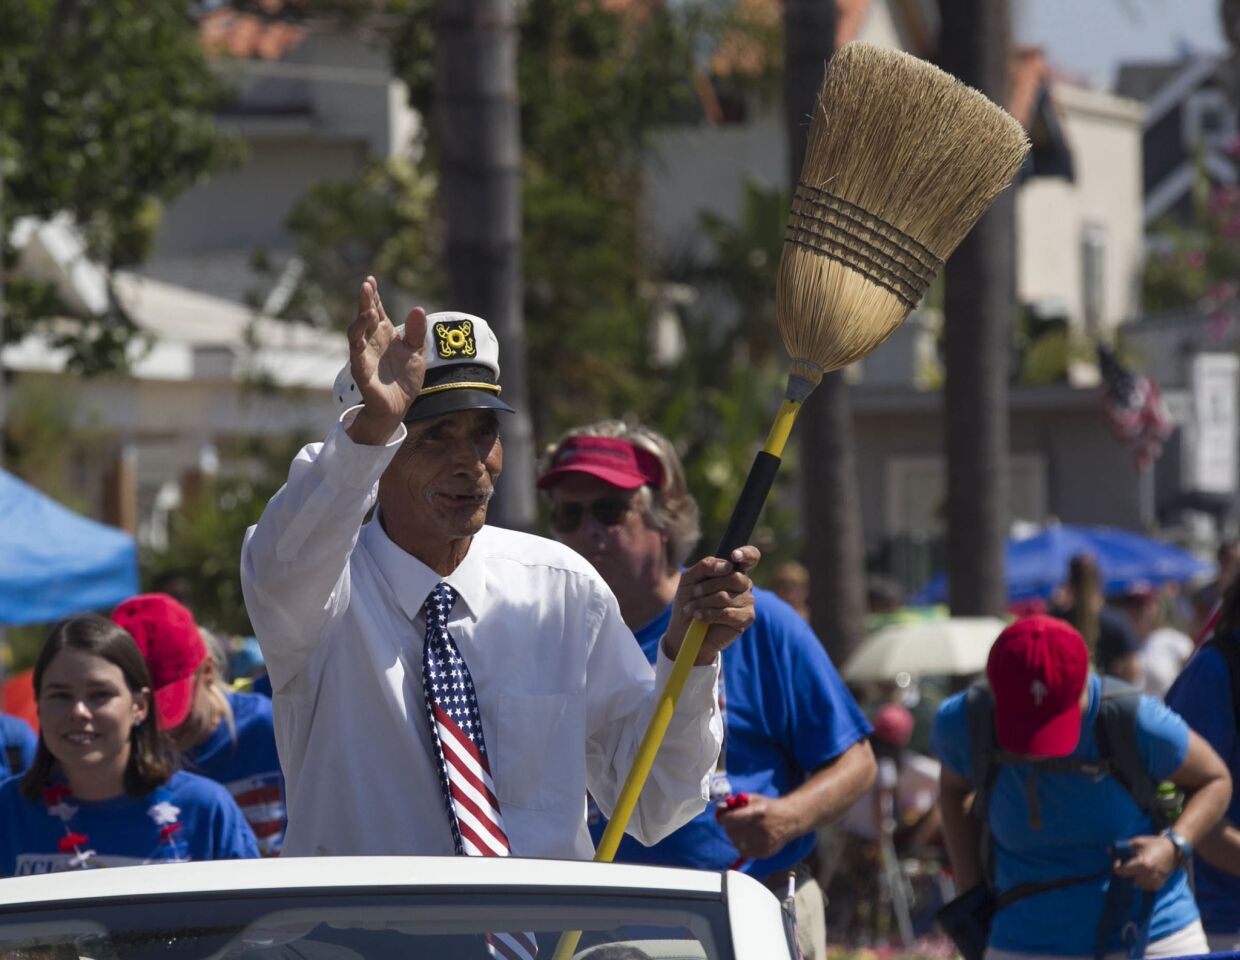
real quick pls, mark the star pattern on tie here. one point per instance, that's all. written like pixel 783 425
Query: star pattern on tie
pixel 464 767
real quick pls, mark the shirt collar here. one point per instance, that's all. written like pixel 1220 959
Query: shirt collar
pixel 412 581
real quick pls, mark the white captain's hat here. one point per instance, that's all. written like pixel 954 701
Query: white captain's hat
pixel 462 369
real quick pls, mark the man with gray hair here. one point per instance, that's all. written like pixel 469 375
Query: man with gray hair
pixel 795 752
pixel 442 686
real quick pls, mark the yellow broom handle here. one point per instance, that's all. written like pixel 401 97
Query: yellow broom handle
pixel 746 510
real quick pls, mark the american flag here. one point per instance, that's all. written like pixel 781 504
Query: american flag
pixel 465 771
pixel 1134 407
pixel 261 799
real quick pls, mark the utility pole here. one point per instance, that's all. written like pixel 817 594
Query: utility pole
pixel 478 120
pixel 980 296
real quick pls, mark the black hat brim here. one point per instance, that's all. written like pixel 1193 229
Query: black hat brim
pixel 454 401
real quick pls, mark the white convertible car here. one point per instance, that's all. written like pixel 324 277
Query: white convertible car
pixel 389 908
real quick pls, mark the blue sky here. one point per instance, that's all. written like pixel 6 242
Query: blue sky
pixel 1092 37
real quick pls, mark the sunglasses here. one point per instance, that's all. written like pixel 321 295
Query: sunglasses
pixel 566 517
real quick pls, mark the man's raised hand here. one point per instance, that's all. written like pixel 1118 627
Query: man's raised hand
pixel 388 369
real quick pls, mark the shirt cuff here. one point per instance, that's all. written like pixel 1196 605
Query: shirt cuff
pixel 357 466
pixel 700 678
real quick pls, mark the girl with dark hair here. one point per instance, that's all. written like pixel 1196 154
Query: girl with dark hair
pixel 103 789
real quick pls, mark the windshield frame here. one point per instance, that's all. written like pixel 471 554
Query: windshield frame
pixel 228 914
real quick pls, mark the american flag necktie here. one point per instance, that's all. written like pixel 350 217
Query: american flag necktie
pixel 464 770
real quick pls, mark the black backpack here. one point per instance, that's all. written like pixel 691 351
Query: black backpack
pixel 967 919
pixel 1118 756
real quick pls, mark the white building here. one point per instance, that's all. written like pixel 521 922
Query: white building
pixel 312 105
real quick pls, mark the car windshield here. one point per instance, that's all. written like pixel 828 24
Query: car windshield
pixel 363 925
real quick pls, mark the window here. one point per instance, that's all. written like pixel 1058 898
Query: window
pixel 1209 120
pixel 1093 277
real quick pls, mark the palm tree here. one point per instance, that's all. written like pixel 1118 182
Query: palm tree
pixel 478 123
pixel 834 552
pixel 979 296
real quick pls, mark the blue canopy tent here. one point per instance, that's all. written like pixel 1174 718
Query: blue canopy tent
pixel 1037 565
pixel 55 563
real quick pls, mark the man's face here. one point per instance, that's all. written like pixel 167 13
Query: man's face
pixel 607 526
pixel 438 485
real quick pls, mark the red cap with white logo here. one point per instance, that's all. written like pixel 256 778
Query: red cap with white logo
pixel 1037 671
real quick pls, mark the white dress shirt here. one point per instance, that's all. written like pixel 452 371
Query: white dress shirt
pixel 564 690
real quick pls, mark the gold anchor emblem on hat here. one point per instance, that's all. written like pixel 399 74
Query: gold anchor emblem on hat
pixel 455 339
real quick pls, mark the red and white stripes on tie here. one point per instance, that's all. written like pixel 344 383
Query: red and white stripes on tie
pixel 471 789
pixel 464 770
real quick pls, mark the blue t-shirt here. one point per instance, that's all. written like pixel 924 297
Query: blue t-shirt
pixel 189 818
pixel 248 766
pixel 1080 820
pixel 787 714
pixel 1201 694
pixel 17 745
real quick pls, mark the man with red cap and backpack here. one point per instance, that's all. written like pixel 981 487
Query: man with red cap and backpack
pixel 1064 852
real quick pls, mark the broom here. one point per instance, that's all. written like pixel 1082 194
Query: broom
pixel 902 160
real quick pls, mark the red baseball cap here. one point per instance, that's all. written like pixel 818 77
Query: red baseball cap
pixel 1037 670
pixel 172 647
pixel 893 724
pixel 612 460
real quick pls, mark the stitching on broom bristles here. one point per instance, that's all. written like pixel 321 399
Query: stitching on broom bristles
pixel 880 257
pixel 847 234
pixel 850 259
pixel 877 266
pixel 917 250
pixel 836 218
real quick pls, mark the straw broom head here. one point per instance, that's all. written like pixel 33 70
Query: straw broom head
pixel 902 160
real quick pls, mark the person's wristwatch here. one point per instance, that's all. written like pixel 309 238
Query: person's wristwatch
pixel 1183 849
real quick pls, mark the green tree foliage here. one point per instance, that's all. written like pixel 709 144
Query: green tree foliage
pixel 205 535
pixel 1197 265
pixel 105 111
pixel 45 441
pixel 381 222
pixel 721 396
pixel 593 84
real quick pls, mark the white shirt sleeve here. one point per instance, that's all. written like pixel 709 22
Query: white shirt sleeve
pixel 295 560
pixel 622 696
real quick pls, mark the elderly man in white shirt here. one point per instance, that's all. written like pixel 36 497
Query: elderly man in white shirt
pixel 481 730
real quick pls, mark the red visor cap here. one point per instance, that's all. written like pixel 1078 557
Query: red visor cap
pixel 172 647
pixel 612 460
pixel 1037 671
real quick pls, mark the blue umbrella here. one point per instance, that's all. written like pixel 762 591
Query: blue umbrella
pixel 55 563
pixel 1037 565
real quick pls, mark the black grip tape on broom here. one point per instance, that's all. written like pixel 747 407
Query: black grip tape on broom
pixel 750 503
